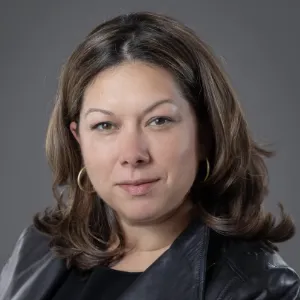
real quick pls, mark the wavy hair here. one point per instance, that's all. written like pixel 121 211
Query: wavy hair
pixel 82 227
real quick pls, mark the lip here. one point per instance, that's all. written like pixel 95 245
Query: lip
pixel 138 181
pixel 138 187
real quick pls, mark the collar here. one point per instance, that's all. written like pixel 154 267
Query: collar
pixel 177 274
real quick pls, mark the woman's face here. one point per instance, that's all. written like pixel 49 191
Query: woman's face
pixel 138 140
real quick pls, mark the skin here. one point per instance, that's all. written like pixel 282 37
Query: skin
pixel 131 141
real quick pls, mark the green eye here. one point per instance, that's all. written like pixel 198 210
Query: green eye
pixel 104 126
pixel 160 121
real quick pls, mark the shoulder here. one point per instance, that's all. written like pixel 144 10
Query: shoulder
pixel 30 258
pixel 258 272
pixel 31 244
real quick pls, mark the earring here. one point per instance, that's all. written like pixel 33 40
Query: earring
pixel 79 181
pixel 207 170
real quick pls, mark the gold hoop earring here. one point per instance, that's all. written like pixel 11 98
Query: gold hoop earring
pixel 79 181
pixel 207 170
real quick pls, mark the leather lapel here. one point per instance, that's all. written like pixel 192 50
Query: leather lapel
pixel 179 273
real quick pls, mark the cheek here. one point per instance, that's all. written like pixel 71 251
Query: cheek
pixel 179 149
pixel 184 163
pixel 97 158
pixel 178 158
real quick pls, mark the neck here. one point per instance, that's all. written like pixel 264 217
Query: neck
pixel 157 235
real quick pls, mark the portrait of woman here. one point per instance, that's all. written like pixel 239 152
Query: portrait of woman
pixel 158 183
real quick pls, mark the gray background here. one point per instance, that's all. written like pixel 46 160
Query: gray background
pixel 258 41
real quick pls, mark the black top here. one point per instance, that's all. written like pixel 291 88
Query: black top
pixel 101 283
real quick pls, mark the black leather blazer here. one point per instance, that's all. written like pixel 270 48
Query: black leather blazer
pixel 199 265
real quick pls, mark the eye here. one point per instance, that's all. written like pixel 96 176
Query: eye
pixel 160 121
pixel 104 126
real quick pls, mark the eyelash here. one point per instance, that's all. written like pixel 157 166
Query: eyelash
pixel 168 119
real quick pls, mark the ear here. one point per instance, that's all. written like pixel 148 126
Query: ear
pixel 75 131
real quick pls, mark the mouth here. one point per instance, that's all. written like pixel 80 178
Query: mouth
pixel 138 187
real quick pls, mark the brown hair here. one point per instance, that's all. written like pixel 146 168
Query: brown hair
pixel 81 225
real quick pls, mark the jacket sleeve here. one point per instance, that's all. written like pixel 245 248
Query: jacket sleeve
pixel 12 266
pixel 280 283
pixel 31 270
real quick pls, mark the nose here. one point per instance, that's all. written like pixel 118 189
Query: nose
pixel 134 150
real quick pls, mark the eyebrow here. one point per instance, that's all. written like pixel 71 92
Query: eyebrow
pixel 146 111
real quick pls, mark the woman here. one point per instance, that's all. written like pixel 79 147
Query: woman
pixel 159 185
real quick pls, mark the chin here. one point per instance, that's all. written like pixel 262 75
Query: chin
pixel 140 215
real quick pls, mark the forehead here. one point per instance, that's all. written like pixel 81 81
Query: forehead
pixel 133 82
